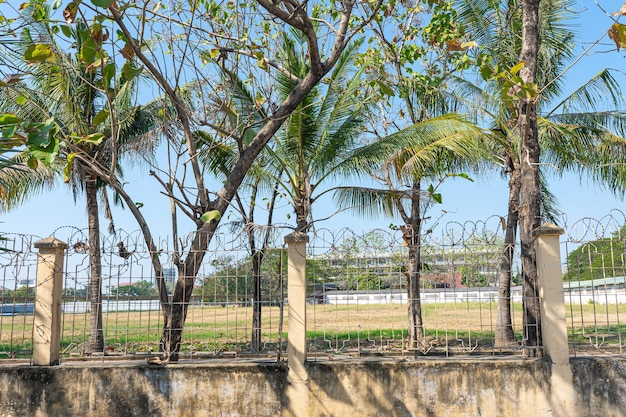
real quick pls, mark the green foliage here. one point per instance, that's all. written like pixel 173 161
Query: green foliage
pixel 19 293
pixel 141 288
pixel 598 259
pixel 232 279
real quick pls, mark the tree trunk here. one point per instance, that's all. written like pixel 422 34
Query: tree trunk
pixel 530 216
pixel 302 205
pixel 176 314
pixel 257 262
pixel 412 236
pixel 95 343
pixel 505 336
pixel 416 326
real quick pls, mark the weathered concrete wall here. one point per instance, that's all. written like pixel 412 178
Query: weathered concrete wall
pixel 429 387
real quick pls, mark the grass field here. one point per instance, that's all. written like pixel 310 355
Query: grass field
pixel 333 328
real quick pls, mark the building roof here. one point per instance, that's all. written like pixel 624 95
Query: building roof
pixel 599 282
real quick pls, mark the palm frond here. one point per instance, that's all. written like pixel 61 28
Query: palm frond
pixel 368 202
pixel 600 91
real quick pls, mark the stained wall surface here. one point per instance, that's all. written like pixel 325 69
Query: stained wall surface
pixel 357 387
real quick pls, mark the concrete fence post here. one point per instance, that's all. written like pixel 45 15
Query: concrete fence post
pixel 296 342
pixel 48 294
pixel 551 298
pixel 553 324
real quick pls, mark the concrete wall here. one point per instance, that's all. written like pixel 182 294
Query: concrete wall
pixel 377 387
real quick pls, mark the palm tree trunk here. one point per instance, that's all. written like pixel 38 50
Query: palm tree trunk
pixel 95 343
pixel 505 336
pixel 530 187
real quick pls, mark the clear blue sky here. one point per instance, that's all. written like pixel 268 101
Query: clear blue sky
pixel 462 200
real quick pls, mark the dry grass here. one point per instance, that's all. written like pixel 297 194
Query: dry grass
pixel 214 329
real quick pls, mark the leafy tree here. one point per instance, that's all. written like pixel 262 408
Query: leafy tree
pixel 205 213
pixel 321 132
pixel 434 145
pixel 21 293
pixel 137 289
pixel 354 255
pixel 598 259
pixel 232 280
pixel 308 149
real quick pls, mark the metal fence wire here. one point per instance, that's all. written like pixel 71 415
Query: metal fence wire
pixel 594 283
pixel 357 302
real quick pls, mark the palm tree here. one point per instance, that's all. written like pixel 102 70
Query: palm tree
pixel 77 101
pixel 574 135
pixel 432 149
pixel 320 134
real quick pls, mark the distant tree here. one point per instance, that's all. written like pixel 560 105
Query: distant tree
pixel 232 279
pixel 141 288
pixel 22 292
pixel 598 259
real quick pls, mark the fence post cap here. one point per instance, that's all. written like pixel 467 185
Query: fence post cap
pixel 50 242
pixel 548 229
pixel 297 237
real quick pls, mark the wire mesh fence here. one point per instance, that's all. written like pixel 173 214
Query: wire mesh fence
pixel 594 283
pixel 357 297
pixel 18 265
pixel 359 292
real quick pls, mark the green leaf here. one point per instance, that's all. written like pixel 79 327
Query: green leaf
pixel 9 124
pixel 517 68
pixel 386 90
pixel 130 71
pixel 437 198
pixel 67 171
pixel 8 118
pixel 66 31
pixel 42 134
pixel 45 154
pixel 88 51
pixel 100 117
pixel 486 72
pixel 8 131
pixel 108 73
pixel 102 3
pixel 211 215
pixel 462 175
pixel 40 52
pixel 93 139
pixel 21 99
pixel 260 60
